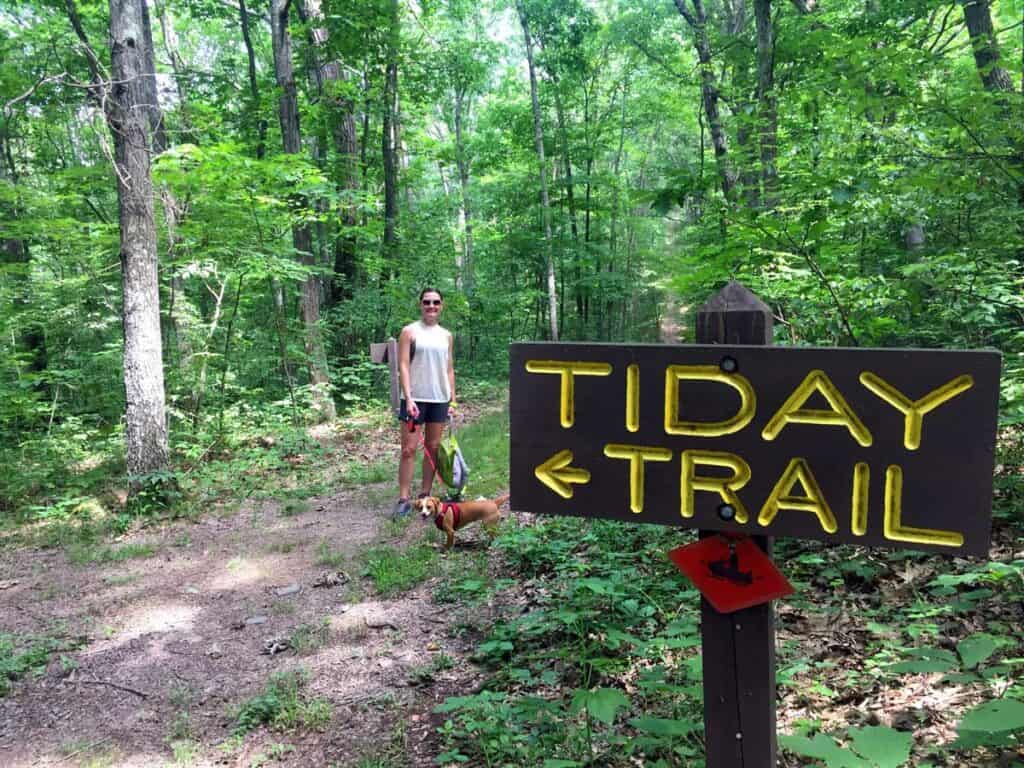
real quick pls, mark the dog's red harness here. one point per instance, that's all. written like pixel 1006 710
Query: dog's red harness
pixel 456 514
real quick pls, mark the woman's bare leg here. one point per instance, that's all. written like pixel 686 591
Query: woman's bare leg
pixel 433 441
pixel 410 441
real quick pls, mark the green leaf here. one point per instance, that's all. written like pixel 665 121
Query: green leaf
pixel 601 703
pixel 976 649
pixel 927 660
pixel 884 747
pixel 824 748
pixel 559 763
pixel 999 716
pixel 664 727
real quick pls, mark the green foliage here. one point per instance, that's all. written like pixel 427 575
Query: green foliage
pixel 92 553
pixel 21 656
pixel 485 446
pixel 999 722
pixel 327 556
pixel 599 703
pixel 427 673
pixel 307 638
pixel 394 571
pixel 283 705
pixel 610 604
pixel 871 747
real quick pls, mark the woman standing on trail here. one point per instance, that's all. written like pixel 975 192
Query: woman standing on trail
pixel 427 379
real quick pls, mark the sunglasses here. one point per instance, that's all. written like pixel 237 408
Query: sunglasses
pixel 431 302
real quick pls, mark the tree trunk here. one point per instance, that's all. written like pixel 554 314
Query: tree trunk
pixel 346 145
pixel 996 79
pixel 767 114
pixel 698 20
pixel 570 192
pixel 173 211
pixel 309 305
pixel 978 17
pixel 145 418
pixel 466 207
pixel 254 92
pixel 538 139
pixel 388 148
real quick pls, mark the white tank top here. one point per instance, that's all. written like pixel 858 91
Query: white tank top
pixel 428 371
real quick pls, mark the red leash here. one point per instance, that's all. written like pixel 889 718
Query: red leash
pixel 423 443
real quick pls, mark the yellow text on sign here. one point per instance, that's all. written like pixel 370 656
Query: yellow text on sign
pixel 558 475
pixel 792 410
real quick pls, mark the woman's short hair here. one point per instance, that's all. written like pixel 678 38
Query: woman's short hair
pixel 425 291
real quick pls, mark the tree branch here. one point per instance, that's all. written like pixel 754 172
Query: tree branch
pixel 686 14
pixel 94 63
pixel 28 94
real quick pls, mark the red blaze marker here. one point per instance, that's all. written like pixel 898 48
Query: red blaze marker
pixel 731 573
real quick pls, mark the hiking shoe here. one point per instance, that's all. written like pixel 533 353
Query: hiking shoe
pixel 402 509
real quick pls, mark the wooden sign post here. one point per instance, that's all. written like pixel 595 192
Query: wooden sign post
pixel 387 352
pixel 734 437
pixel 738 648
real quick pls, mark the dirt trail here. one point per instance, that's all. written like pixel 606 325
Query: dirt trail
pixel 173 641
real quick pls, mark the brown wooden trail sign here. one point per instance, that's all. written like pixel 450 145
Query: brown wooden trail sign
pixel 878 447
pixel 387 352
pixel 892 448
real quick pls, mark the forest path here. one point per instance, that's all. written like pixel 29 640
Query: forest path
pixel 171 645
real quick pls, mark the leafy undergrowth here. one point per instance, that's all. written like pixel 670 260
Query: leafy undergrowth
pixel 284 705
pixel 23 656
pixel 271 459
pixel 70 489
pixel 885 659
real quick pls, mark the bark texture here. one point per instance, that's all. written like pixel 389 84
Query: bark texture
pixel 302 239
pixel 254 92
pixel 538 139
pixel 698 21
pixel 389 143
pixel 346 146
pixel 978 17
pixel 468 270
pixel 126 112
pixel 767 109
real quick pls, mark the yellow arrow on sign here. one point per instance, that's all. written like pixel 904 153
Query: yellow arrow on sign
pixel 557 475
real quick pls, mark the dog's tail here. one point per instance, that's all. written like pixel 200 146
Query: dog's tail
pixel 502 499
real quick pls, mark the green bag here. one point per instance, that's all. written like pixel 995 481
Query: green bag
pixel 451 465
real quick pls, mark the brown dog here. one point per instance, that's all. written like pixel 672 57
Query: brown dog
pixel 450 516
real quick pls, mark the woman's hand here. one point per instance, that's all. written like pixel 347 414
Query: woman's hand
pixel 412 409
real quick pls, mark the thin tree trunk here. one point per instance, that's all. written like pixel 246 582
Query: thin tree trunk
pixel 616 180
pixel 466 207
pixel 570 193
pixel 173 211
pixel 388 148
pixel 200 387
pixel 346 145
pixel 767 114
pixel 254 92
pixel 309 305
pixel 698 20
pixel 538 139
pixel 977 15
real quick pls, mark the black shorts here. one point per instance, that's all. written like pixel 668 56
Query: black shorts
pixel 430 413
